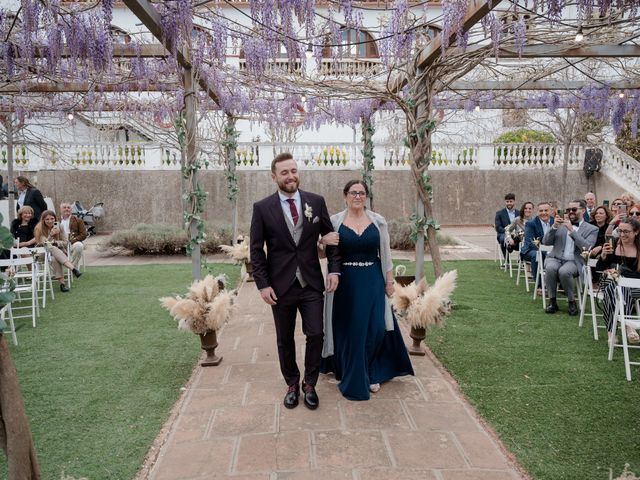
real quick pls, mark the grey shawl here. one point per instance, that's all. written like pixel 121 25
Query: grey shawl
pixel 386 266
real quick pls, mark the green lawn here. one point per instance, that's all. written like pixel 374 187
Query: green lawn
pixel 542 382
pixel 103 368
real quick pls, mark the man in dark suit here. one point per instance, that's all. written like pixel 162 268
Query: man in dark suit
pixel 288 275
pixel 569 236
pixel 590 199
pixel 534 231
pixel 503 219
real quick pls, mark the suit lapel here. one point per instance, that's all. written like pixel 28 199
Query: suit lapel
pixel 303 201
pixel 278 217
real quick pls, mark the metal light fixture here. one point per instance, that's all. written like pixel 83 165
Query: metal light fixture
pixel 70 115
pixel 477 109
pixel 621 94
pixel 579 35
pixel 309 51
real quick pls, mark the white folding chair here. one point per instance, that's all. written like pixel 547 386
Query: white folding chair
pixel 625 320
pixel 5 312
pixel 524 268
pixel 541 275
pixel 42 263
pixel 26 283
pixel 589 293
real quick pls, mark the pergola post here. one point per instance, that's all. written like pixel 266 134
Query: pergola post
pixel 9 130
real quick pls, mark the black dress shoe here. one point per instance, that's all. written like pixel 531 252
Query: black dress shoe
pixel 573 309
pixel 311 400
pixel 291 398
pixel 63 288
pixel 552 307
pixel 76 272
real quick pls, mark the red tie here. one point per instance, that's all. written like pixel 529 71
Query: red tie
pixel 294 210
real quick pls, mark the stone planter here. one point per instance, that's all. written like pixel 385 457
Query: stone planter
pixel 249 269
pixel 417 334
pixel 209 343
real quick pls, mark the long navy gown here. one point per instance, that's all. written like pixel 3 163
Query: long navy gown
pixel 364 352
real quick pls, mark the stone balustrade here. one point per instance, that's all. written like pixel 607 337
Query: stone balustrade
pixel 622 168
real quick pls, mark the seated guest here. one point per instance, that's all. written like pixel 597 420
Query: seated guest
pixel 590 200
pixel 600 217
pixel 23 226
pixel 504 218
pixel 47 234
pixel 75 231
pixel 629 199
pixel 624 256
pixel 569 235
pixel 533 233
pixel 515 231
pixel 618 213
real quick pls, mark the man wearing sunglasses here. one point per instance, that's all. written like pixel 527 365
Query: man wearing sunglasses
pixel 570 236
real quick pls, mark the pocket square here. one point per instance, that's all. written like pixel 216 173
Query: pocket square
pixel 316 220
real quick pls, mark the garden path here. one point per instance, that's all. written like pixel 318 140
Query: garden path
pixel 230 422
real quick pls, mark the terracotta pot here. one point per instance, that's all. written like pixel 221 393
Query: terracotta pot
pixel 404 280
pixel 209 343
pixel 249 269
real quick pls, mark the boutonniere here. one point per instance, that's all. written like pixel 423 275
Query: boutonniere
pixel 308 211
pixel 536 241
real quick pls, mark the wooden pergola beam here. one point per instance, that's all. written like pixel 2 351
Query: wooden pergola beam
pixel 81 87
pixel 469 85
pixel 123 50
pixel 151 19
pixel 565 51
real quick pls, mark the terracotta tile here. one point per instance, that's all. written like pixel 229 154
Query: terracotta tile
pixel 246 372
pixel 449 416
pixel 317 474
pixel 267 392
pixel 403 388
pixel 211 376
pixel 397 474
pixel 205 459
pixel 481 451
pixel 479 475
pixel 438 390
pixel 267 352
pixel 425 368
pixel 248 327
pixel 326 417
pixel 425 450
pixel 231 356
pixel 273 451
pixel 242 420
pixel 376 413
pixel 190 426
pixel 350 449
pixel 208 399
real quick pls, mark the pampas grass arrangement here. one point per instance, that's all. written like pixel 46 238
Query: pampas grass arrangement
pixel 238 252
pixel 206 307
pixel 423 306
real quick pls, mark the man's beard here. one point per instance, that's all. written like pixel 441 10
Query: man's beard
pixel 290 187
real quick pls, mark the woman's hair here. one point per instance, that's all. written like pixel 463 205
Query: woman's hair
pixel 41 229
pixel 351 183
pixel 616 200
pixel 524 206
pixel 25 209
pixel 25 181
pixel 592 217
pixel 636 230
pixel 628 198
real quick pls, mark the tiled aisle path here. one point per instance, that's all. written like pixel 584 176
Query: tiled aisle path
pixel 232 424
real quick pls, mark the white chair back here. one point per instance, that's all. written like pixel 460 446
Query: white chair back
pixel 625 284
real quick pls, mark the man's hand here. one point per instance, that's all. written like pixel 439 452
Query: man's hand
pixel 332 282
pixel 269 296
pixel 331 238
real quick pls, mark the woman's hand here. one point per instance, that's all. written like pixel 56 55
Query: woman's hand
pixel 331 238
pixel 595 251
pixel 55 231
pixel 607 249
pixel 389 289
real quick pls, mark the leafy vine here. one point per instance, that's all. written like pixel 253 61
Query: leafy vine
pixel 367 153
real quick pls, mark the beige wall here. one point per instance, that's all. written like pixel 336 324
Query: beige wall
pixel 461 197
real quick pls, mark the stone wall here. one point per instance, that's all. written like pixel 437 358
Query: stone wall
pixel 461 197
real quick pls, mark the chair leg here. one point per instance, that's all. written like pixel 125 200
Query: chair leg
pixel 583 304
pixel 594 318
pixel 625 348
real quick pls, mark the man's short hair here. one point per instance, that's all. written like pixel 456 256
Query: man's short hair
pixel 510 196
pixel 544 203
pixel 582 203
pixel 281 157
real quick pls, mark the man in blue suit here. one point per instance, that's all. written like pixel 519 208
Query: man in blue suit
pixel 534 231
pixel 504 218
pixel 590 199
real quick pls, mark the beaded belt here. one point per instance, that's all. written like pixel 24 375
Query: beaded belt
pixel 358 264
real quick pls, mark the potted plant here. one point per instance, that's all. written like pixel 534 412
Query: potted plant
pixel 422 306
pixel 239 253
pixel 203 311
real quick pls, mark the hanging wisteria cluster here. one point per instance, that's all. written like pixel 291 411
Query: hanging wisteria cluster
pixel 76 44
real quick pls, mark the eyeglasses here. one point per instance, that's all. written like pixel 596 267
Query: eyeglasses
pixel 358 194
pixel 625 232
pixel 617 204
pixel 572 209
pixel 635 214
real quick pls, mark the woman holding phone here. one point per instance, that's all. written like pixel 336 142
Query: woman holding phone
pixel 622 255
pixel 48 234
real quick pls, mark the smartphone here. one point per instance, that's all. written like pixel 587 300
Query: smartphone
pixel 610 239
pixel 55 225
pixel 622 209
pixel 605 203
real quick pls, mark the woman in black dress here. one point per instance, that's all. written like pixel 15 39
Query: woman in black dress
pixel 23 226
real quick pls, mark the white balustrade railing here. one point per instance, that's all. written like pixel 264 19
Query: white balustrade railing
pixel 316 156
pixel 622 168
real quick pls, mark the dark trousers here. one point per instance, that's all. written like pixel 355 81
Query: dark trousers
pixel 310 304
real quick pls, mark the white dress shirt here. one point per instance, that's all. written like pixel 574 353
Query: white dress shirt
pixel 23 194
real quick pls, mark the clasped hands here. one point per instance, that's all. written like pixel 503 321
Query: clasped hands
pixel 561 221
pixel 269 296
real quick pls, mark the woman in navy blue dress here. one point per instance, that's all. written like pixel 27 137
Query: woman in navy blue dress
pixel 363 344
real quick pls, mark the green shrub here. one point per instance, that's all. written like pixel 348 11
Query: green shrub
pixel 400 235
pixel 162 239
pixel 525 135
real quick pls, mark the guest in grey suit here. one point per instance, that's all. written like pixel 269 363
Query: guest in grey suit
pixel 569 236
